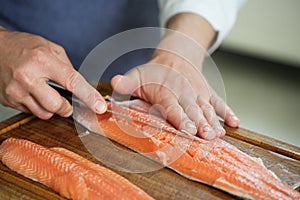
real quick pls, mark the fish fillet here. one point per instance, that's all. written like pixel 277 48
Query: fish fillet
pixel 216 163
pixel 71 175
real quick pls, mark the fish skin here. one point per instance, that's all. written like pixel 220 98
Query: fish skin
pixel 69 174
pixel 216 163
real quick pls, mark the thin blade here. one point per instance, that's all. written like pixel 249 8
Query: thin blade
pixel 76 102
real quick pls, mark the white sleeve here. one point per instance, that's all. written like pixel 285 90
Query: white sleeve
pixel 221 14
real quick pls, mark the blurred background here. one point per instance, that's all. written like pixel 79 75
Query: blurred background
pixel 260 65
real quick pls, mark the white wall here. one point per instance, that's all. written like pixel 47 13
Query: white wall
pixel 268 29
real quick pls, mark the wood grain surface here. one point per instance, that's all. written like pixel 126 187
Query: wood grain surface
pixel 161 184
pixel 281 158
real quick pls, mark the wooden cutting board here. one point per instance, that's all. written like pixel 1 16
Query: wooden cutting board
pixel 283 159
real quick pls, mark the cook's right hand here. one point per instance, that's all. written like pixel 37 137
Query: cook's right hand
pixel 27 63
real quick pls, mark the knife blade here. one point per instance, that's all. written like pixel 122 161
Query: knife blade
pixel 76 102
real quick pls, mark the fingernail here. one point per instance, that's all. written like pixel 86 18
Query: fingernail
pixel 69 113
pixel 208 133
pixel 69 110
pixel 100 107
pixel 234 118
pixel 191 125
pixel 220 131
pixel 207 128
pixel 191 128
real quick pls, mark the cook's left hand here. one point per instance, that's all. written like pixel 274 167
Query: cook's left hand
pixel 173 79
pixel 187 101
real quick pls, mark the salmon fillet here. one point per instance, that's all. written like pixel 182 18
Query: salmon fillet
pixel 216 163
pixel 69 174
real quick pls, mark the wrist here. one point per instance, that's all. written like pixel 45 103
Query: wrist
pixel 194 26
pixel 176 61
pixel 179 47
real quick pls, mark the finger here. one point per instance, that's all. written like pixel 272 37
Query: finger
pixel 193 111
pixel 75 83
pixel 19 98
pixel 211 117
pixel 51 100
pixel 30 108
pixel 22 108
pixel 10 102
pixel 224 111
pixel 176 115
pixel 230 118
pixel 125 84
pixel 36 109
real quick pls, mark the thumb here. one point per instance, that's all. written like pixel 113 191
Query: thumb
pixel 125 84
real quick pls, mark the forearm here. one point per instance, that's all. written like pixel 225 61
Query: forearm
pixel 189 36
pixel 194 26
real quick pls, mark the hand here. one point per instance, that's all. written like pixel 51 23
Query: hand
pixel 27 63
pixel 187 101
pixel 173 79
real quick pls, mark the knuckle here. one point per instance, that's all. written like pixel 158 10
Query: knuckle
pixel 207 107
pixel 56 48
pixel 38 56
pixel 220 102
pixel 208 111
pixel 193 112
pixel 191 108
pixel 11 92
pixel 90 96
pixel 200 100
pixel 72 80
pixel 173 111
pixel 168 105
pixel 217 101
pixel 59 49
pixel 21 75
pixel 25 78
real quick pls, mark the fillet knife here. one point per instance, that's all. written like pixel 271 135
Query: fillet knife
pixel 76 102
